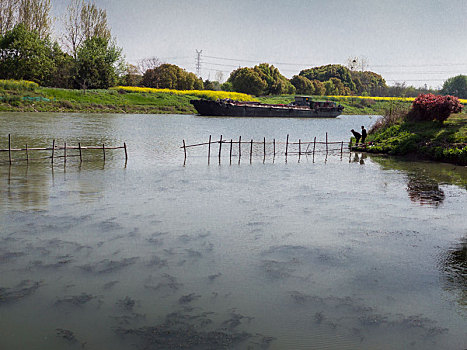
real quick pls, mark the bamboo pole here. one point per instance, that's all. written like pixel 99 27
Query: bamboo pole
pixel 126 154
pixel 287 145
pixel 9 148
pixel 80 155
pixel 64 151
pixel 184 148
pixel 264 141
pixel 230 151
pixel 342 148
pixel 209 147
pixel 326 142
pixel 53 150
pixel 220 148
pixel 239 148
pixel 274 147
pixel 251 149
pixel 27 154
pixel 103 151
pixel 314 146
pixel 299 147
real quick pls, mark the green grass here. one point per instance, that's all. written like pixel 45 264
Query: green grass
pixel 445 142
pixel 67 100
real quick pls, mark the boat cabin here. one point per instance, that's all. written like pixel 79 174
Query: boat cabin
pixel 302 100
pixel 308 102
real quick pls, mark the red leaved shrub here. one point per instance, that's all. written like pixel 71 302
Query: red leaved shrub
pixel 428 107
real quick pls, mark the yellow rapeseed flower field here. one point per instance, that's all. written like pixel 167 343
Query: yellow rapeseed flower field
pixel 20 85
pixel 207 94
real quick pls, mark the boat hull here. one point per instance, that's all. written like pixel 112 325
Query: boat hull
pixel 221 108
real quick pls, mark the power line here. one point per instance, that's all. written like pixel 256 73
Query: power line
pixel 314 64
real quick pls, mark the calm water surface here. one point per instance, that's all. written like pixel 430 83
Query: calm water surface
pixel 327 252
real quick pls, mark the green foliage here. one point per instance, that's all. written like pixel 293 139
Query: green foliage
pixel 63 76
pixel 212 85
pixel 277 84
pixel 318 88
pixel 302 85
pixel 227 86
pixel 263 79
pixel 339 80
pixel 96 63
pixel 369 82
pixel 170 76
pixel 26 56
pixel 442 142
pixel 325 73
pixel 248 81
pixel 456 86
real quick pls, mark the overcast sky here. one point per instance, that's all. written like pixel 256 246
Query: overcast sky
pixel 416 41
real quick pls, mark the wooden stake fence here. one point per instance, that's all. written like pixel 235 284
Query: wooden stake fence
pixel 54 147
pixel 327 144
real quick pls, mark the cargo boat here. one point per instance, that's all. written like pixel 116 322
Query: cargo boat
pixel 302 107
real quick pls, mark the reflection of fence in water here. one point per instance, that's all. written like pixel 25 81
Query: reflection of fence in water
pixel 54 148
pixel 270 148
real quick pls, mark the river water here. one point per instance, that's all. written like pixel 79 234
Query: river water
pixel 335 251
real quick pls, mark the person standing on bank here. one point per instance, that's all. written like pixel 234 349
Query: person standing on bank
pixel 363 134
pixel 356 135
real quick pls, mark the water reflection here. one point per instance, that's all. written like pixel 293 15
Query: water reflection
pixel 424 179
pixel 424 190
pixel 26 186
pixel 359 158
pixel 454 268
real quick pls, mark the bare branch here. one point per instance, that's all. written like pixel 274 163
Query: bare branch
pixel 8 15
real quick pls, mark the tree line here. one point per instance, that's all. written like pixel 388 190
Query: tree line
pixel 87 57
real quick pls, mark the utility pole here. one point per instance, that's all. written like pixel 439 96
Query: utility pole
pixel 198 62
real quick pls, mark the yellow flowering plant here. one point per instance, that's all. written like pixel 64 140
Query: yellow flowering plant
pixel 207 94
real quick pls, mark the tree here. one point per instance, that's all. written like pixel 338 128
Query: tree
pixel 8 15
pixel 248 81
pixel 170 76
pixel 330 88
pixel 211 85
pixel 263 79
pixel 132 76
pixel 64 69
pixel 318 88
pixel 277 84
pixel 83 22
pixel 26 56
pixel 35 16
pixel 456 86
pixel 97 63
pixel 324 73
pixel 302 85
pixel 148 63
pixel 340 89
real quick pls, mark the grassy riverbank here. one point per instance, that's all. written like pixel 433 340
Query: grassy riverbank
pixel 152 101
pixel 446 142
